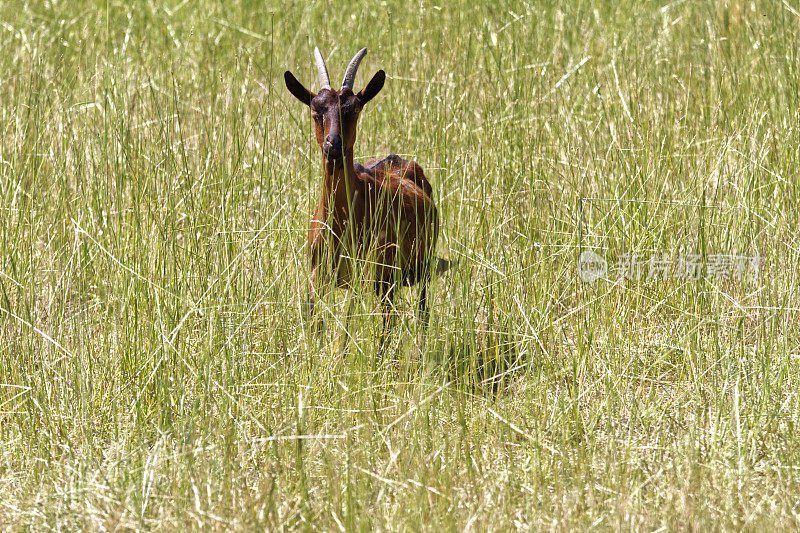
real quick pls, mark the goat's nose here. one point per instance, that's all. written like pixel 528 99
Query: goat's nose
pixel 333 144
pixel 333 140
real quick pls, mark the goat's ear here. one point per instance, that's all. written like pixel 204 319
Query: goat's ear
pixel 297 89
pixel 373 87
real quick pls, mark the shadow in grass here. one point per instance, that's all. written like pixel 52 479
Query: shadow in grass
pixel 482 362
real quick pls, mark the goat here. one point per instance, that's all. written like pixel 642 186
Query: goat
pixel 378 219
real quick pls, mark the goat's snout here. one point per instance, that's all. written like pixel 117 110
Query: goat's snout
pixel 333 146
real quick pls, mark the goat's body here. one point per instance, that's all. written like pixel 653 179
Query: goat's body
pixel 375 223
pixel 388 233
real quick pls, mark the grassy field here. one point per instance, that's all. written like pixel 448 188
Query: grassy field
pixel 156 182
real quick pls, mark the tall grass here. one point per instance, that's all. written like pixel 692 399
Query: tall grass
pixel 156 180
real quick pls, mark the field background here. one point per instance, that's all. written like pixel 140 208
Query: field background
pixel 156 179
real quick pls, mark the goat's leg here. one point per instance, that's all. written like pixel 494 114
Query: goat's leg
pixel 385 292
pixel 318 324
pixel 424 313
pixel 348 315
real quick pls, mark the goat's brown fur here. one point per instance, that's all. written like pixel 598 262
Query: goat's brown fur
pixel 379 218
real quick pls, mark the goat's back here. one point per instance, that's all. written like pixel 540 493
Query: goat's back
pixel 401 216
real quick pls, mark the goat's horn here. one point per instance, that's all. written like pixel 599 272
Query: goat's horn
pixel 352 68
pixel 324 80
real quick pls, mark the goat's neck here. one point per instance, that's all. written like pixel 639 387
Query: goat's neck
pixel 339 188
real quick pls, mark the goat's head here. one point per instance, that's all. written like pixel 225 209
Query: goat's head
pixel 335 113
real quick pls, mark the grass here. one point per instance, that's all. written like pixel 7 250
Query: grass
pixel 156 180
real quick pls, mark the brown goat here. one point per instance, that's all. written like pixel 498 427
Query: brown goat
pixel 378 219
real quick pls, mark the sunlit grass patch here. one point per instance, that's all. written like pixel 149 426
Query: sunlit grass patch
pixel 156 182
